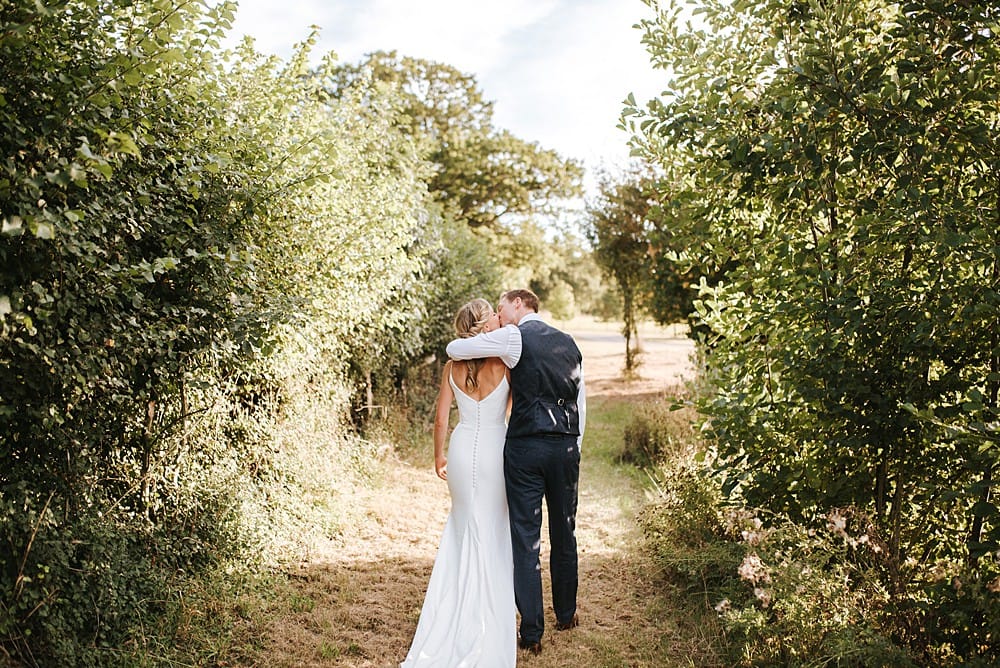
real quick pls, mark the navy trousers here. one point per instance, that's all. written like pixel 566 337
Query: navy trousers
pixel 535 468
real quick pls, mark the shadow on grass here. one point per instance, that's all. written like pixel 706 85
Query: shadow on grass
pixel 364 613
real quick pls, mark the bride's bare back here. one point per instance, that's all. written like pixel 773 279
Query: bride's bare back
pixel 492 372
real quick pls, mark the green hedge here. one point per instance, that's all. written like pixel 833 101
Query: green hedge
pixel 185 237
pixel 839 160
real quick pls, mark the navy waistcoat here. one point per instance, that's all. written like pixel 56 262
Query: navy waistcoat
pixel 545 383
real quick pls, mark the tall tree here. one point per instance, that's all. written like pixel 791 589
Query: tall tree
pixel 676 269
pixel 483 175
pixel 619 231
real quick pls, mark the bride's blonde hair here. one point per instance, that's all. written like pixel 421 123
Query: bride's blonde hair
pixel 469 321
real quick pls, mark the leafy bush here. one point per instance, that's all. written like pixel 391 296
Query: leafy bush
pixel 656 432
pixel 684 528
pixel 811 597
pixel 961 613
pixel 186 241
pixel 855 351
pixel 560 301
pixel 786 595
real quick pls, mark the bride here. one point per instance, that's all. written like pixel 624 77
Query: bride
pixel 468 617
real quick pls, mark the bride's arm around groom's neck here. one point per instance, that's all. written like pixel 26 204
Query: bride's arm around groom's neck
pixel 504 343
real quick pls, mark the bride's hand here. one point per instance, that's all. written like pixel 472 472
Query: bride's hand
pixel 441 468
pixel 492 323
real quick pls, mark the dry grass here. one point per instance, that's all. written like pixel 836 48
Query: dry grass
pixel 356 601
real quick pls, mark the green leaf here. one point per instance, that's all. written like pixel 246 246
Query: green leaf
pixel 120 142
pixel 173 56
pixel 44 230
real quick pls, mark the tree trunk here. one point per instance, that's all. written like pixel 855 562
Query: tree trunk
pixel 976 532
pixel 146 477
pixel 369 392
pixel 881 487
pixel 629 317
pixel 895 538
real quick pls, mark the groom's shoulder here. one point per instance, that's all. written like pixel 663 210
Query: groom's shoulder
pixel 537 325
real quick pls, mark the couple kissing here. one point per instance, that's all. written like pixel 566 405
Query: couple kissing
pixel 518 384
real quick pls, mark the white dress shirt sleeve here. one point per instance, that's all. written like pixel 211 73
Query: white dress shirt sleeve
pixel 504 343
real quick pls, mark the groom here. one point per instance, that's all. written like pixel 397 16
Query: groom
pixel 541 454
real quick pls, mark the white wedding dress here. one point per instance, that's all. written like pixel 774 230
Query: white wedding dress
pixel 469 618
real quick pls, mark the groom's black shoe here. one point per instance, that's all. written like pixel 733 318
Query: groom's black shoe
pixel 535 647
pixel 571 624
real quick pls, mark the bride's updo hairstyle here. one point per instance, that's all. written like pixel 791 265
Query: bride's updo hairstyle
pixel 469 321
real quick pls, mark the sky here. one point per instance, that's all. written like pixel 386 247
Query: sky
pixel 557 71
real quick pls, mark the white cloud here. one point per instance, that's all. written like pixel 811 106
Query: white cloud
pixel 472 36
pixel 557 70
pixel 277 26
pixel 566 85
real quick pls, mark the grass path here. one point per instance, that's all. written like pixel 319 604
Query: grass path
pixel 356 602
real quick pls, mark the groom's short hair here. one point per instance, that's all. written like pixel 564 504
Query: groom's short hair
pixel 527 297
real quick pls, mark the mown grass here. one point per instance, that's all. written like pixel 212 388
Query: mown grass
pixel 688 630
